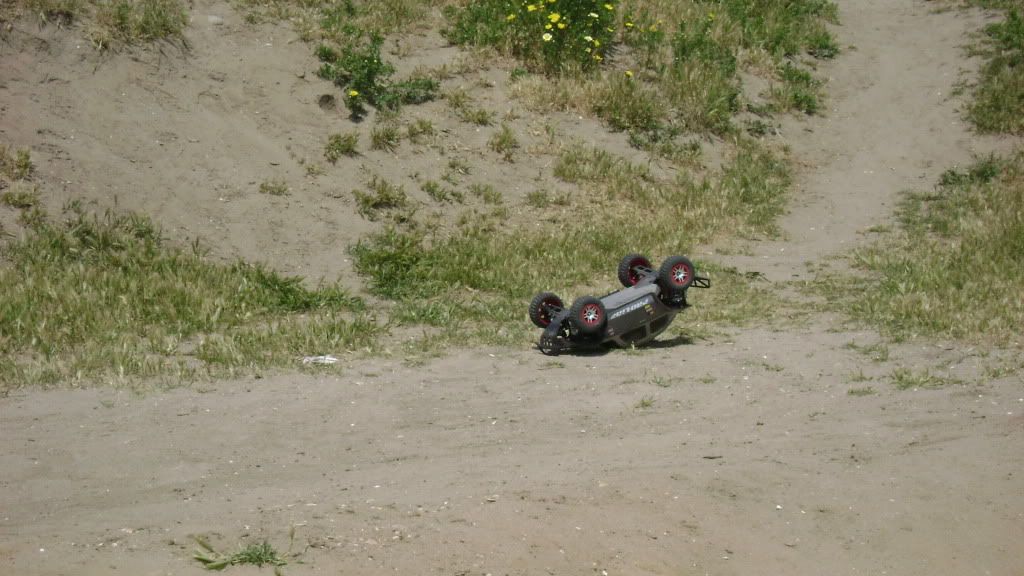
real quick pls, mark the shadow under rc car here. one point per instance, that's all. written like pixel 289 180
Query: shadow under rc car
pixel 629 317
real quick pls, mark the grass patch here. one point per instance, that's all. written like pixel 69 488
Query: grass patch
pixel 339 145
pixel 107 299
pixel 385 137
pixel 999 96
pixel 860 392
pixel 907 379
pixel 955 268
pixel 382 196
pixel 504 142
pixel 259 555
pixel 683 70
pixel 125 22
pixel 274 187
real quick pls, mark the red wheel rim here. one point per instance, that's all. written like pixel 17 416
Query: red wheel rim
pixel 633 276
pixel 591 315
pixel 681 274
pixel 545 319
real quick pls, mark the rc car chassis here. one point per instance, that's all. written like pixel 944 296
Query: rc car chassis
pixel 629 317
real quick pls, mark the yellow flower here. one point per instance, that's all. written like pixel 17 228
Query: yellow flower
pixel 597 43
pixel 510 17
pixel 587 50
pixel 554 17
pixel 629 73
pixel 598 57
pixel 531 8
pixel 629 24
pixel 547 26
pixel 353 93
pixel 588 38
pixel 609 7
pixel 711 16
pixel 610 29
pixel 547 37
pixel 653 28
pixel 561 25
pixel 593 15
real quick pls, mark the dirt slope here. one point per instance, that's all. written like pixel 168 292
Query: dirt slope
pixel 740 455
pixel 893 124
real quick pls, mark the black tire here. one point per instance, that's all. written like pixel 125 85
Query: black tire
pixel 588 316
pixel 626 274
pixel 538 312
pixel 676 274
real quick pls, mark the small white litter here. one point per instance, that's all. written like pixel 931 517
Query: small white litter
pixel 327 359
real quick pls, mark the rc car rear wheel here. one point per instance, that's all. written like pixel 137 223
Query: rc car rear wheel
pixel 588 315
pixel 627 273
pixel 676 274
pixel 539 313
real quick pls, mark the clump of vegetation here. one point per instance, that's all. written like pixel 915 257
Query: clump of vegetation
pixel 274 187
pixel 999 97
pixel 504 142
pixel 358 68
pixel 384 137
pixel 440 193
pixel 419 129
pixel 547 36
pixel 339 145
pixel 489 194
pixel 258 555
pixel 17 165
pixel 954 268
pixel 106 298
pixel 133 21
pixel 688 54
pixel 381 196
pixel 461 102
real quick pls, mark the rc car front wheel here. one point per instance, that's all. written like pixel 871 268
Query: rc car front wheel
pixel 676 274
pixel 588 315
pixel 627 268
pixel 539 308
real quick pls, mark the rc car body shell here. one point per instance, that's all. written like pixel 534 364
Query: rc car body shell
pixel 634 316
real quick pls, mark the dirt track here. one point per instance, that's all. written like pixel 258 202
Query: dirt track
pixel 740 455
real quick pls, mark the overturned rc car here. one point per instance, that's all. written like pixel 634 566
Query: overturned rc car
pixel 632 316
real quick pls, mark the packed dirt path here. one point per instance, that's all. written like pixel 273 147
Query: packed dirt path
pixel 892 125
pixel 742 454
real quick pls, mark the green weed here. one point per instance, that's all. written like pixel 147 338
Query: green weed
pixel 132 21
pixel 274 187
pixel 864 391
pixel 385 137
pixel 382 196
pixel 906 379
pixel 258 555
pixel 339 145
pixel 489 194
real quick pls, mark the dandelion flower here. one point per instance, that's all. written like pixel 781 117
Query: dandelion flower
pixel 510 17
pixel 597 43
pixel 711 16
pixel 598 57
pixel 547 26
pixel 588 38
pixel 353 93
pixel 561 25
pixel 554 17
pixel 609 7
pixel 629 73
pixel 531 8
pixel 547 37
pixel 629 24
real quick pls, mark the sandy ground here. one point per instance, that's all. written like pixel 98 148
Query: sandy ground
pixel 743 454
